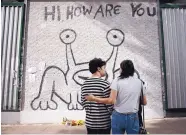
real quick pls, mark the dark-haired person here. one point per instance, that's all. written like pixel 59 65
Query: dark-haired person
pixel 125 95
pixel 98 119
pixel 140 103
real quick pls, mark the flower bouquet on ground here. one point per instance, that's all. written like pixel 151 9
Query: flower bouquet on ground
pixel 68 122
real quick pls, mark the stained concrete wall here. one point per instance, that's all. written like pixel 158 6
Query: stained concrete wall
pixel 10 117
pixel 63 36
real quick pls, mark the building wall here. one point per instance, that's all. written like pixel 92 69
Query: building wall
pixel 63 36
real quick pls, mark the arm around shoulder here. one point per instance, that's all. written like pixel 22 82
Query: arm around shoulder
pixel 144 100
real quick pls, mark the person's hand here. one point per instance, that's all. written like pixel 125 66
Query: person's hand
pixel 90 98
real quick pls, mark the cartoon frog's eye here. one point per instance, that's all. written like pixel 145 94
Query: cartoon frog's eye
pixel 68 36
pixel 115 37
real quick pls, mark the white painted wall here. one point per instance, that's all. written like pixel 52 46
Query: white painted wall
pixel 45 49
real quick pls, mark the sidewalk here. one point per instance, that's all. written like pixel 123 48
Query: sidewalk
pixel 157 126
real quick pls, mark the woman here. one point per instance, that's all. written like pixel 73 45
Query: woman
pixel 125 95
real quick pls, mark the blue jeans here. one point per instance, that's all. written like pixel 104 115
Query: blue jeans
pixel 125 122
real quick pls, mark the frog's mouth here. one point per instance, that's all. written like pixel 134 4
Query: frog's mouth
pixel 83 78
pixel 80 78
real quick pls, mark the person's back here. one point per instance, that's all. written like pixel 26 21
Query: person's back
pixel 125 95
pixel 129 90
pixel 97 114
pixel 98 119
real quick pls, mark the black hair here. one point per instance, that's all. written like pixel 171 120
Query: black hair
pixel 127 69
pixel 95 63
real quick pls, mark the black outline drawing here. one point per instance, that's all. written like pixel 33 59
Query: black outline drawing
pixel 115 47
pixel 67 36
pixel 115 36
pixel 71 66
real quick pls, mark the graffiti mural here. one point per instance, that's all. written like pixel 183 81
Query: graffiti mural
pixel 63 36
pixel 58 82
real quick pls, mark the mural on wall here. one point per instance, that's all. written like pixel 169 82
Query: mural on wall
pixel 64 36
pixel 74 76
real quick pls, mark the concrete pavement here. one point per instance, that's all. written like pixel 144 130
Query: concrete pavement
pixel 155 126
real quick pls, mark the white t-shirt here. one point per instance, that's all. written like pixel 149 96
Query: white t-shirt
pixel 128 94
